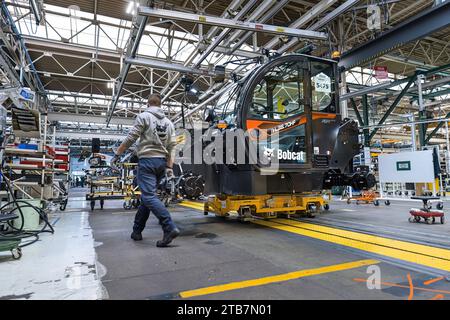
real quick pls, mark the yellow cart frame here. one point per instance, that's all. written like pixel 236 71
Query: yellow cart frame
pixel 266 206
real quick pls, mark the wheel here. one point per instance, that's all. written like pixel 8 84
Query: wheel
pixel 326 206
pixel 102 202
pixel 311 209
pixel 348 201
pixel 434 220
pixel 442 220
pixel 64 205
pixel 92 204
pixel 16 253
pixel 412 219
pixel 127 205
pixel 387 202
pixel 417 218
pixel 440 206
pixel 376 203
pixel 429 221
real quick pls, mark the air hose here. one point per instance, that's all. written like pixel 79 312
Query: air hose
pixel 18 233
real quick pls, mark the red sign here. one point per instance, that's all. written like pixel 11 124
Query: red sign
pixel 381 72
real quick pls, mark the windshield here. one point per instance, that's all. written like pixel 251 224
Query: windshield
pixel 279 94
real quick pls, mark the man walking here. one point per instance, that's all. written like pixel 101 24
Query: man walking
pixel 156 151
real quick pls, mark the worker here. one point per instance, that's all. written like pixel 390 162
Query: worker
pixel 156 151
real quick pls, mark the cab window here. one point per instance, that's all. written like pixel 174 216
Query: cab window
pixel 280 94
pixel 323 87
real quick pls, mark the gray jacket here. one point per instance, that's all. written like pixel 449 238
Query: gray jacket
pixel 155 132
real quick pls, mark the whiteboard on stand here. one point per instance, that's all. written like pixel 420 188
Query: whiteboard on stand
pixel 413 167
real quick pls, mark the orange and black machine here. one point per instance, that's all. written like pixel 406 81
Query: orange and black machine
pixel 290 104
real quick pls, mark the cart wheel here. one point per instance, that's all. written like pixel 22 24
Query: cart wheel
pixel 16 253
pixel 412 219
pixel 310 212
pixel 376 203
pixel 127 205
pixel 326 206
pixel 442 220
pixel 102 202
pixel 387 202
pixel 429 220
pixel 440 206
pixel 92 204
pixel 63 205
pixel 348 201
pixel 417 219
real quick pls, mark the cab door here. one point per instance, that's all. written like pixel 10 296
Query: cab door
pixel 278 111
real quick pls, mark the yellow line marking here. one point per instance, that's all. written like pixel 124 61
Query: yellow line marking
pixel 193 205
pixel 400 254
pixel 277 278
pixel 387 242
pixel 429 256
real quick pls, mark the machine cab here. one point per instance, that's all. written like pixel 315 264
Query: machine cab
pixel 291 104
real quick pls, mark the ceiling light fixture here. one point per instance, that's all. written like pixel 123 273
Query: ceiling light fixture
pixel 132 6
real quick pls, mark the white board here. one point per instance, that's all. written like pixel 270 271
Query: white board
pixel 405 167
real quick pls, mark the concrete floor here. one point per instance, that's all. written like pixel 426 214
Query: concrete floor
pixel 90 256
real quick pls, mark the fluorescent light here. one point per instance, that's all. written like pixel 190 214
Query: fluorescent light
pixel 132 6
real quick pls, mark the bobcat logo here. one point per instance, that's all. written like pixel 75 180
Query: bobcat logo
pixel 268 152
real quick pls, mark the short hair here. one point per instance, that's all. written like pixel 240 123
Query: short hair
pixel 154 100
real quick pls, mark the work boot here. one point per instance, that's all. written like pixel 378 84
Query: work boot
pixel 136 236
pixel 168 237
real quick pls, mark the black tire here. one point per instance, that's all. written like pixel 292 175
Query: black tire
pixel 387 202
pixel 16 253
pixel 326 206
pixel 92 204
pixel 127 205
pixel 442 220
pixel 417 218
pixel 376 203
pixel 63 205
pixel 348 201
pixel 412 219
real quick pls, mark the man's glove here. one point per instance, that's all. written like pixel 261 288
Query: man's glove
pixel 114 160
pixel 169 172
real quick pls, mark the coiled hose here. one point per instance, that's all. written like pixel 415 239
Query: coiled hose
pixel 18 233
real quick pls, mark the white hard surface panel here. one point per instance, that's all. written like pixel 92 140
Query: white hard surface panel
pixel 421 167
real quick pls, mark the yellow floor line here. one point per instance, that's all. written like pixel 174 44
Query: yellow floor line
pixel 416 253
pixel 277 278
pixel 417 258
pixel 193 205
pixel 387 242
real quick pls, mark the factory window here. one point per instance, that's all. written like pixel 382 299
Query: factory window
pixel 323 86
pixel 279 95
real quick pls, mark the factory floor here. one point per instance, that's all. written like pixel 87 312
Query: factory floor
pixel 336 255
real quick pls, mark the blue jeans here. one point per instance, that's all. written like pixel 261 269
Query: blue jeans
pixel 150 172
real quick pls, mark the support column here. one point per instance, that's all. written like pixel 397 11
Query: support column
pixel 422 115
pixel 366 120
